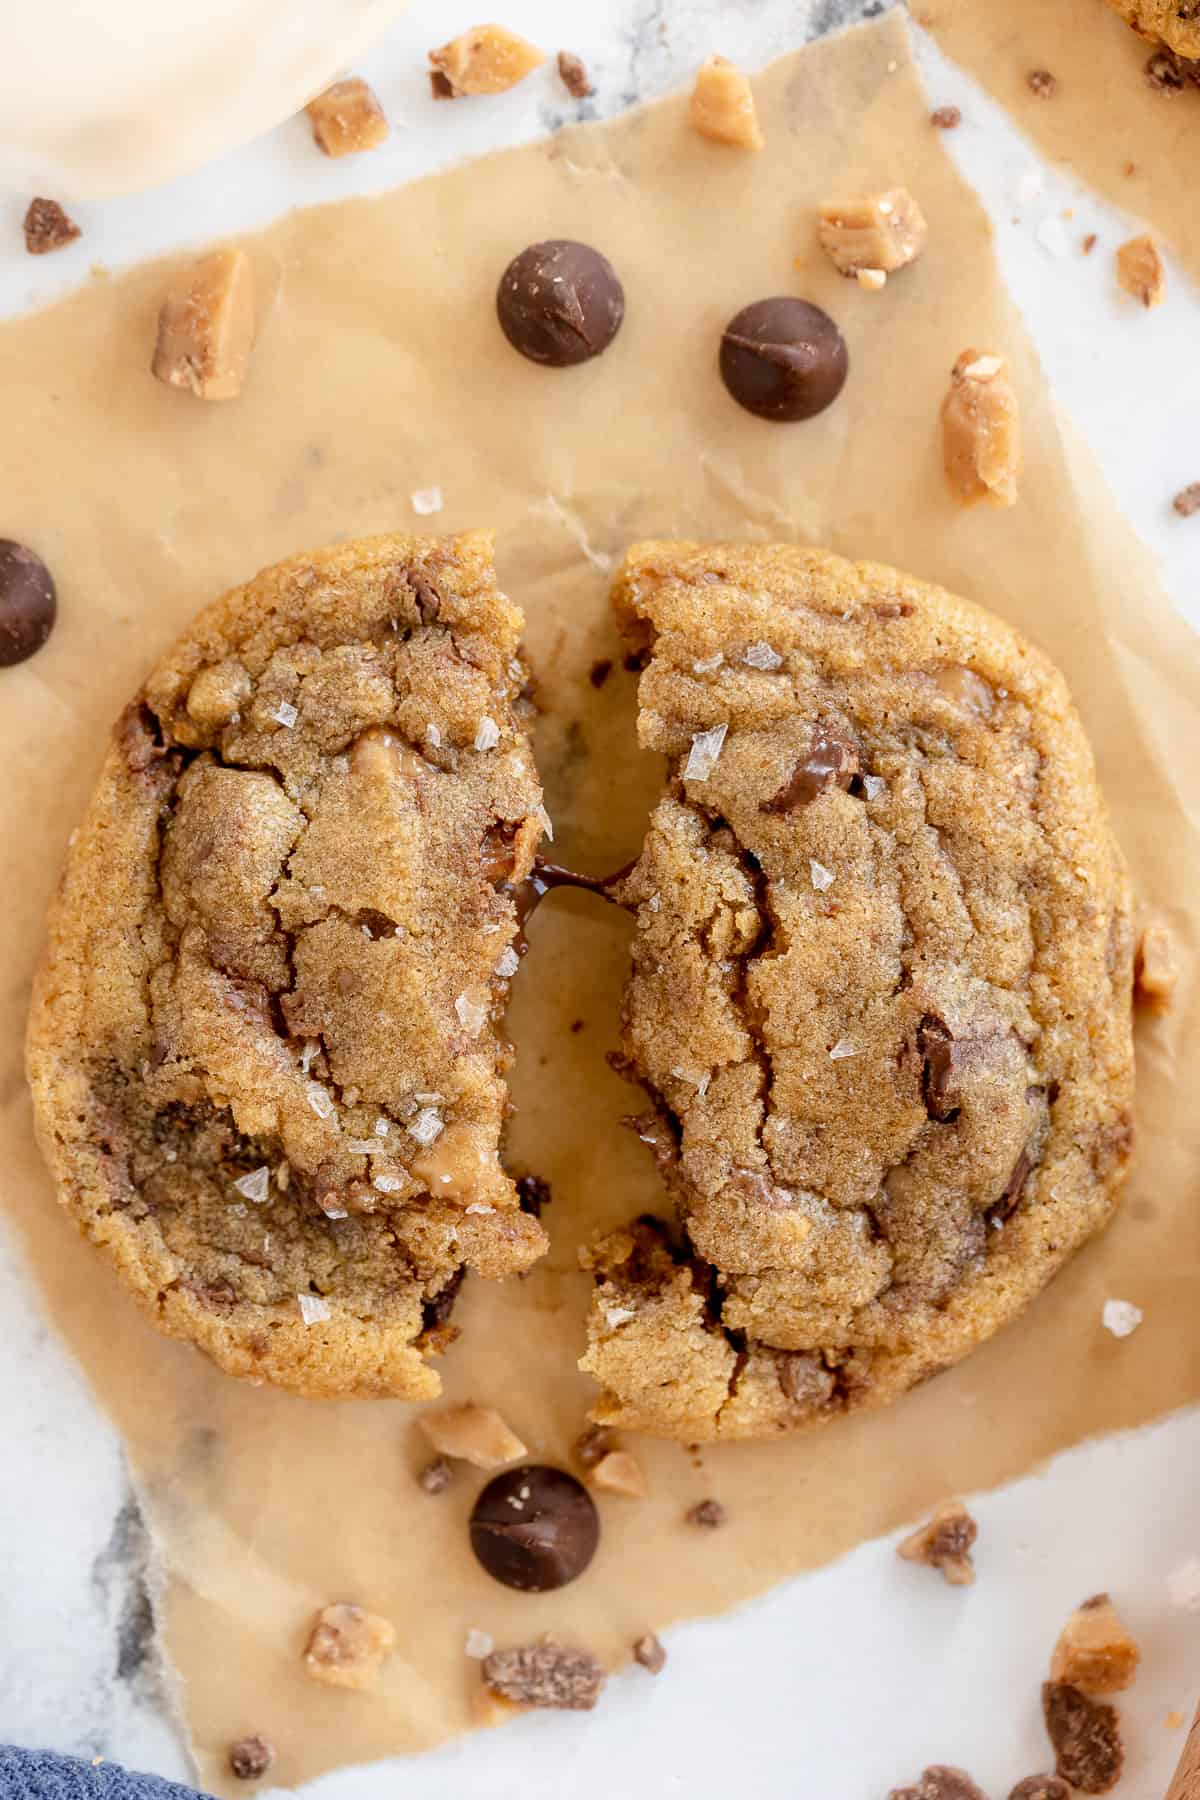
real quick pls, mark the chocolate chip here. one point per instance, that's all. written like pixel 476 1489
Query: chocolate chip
pixel 830 761
pixel 436 1311
pixel 533 1193
pixel 534 1528
pixel 440 86
pixel 1086 1736
pixel 1014 1187
pixel 941 1065
pixel 708 1514
pixel 250 1757
pixel 560 303
pixel 376 924
pixel 47 227
pixel 783 358
pixel 600 671
pixel 28 602
pixel 1041 1787
pixel 545 1674
pixel 573 75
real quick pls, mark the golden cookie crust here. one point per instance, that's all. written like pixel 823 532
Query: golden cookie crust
pixel 277 959
pixel 1174 23
pixel 880 995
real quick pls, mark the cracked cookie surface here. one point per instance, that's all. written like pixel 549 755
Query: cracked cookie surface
pixel 263 1048
pixel 880 994
pixel 1174 23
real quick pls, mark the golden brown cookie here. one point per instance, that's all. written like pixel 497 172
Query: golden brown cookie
pixel 263 1047
pixel 880 997
pixel 1174 23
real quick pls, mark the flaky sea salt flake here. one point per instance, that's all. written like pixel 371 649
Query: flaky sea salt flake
pixel 426 500
pixel 509 963
pixel 842 1049
pixel 363 1146
pixel 761 656
pixel 433 736
pixel 387 1184
pixel 427 1127
pixel 381 1128
pixel 487 734
pixel 1121 1317
pixel 312 1308
pixel 472 1016
pixel 285 714
pixel 702 757
pixel 479 1644
pixel 256 1185
pixel 619 1315
pixel 822 877
pixel 319 1099
pixel 873 786
pixel 708 665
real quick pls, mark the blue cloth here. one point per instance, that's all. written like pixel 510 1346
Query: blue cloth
pixel 40 1775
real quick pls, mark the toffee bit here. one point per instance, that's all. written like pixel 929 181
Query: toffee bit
pixel 573 75
pixel 47 227
pixel 944 1542
pixel 649 1652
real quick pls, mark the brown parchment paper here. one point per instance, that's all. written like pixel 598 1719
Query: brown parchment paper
pixel 1105 122
pixel 381 370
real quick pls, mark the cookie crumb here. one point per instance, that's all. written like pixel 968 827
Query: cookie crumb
pixel 436 1476
pixel 1089 243
pixel 1121 1317
pixel 1094 1651
pixel 981 446
pixel 707 1513
pixel 944 1542
pixel 250 1758
pixel 1140 270
pixel 533 1193
pixel 940 1782
pixel 1041 1787
pixel 649 1652
pixel 573 75
pixel 620 1473
pixel 488 59
pixel 872 234
pixel 474 1434
pixel 206 327
pixel 594 1444
pixel 1086 1736
pixel 1155 969
pixel 1187 500
pixel 347 118
pixel 1042 83
pixel 545 1674
pixel 600 671
pixel 722 105
pixel 946 118
pixel 347 1646
pixel 47 227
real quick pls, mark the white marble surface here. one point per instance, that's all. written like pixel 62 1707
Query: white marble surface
pixel 844 1682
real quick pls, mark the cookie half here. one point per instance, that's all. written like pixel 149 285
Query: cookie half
pixel 1172 23
pixel 880 996
pixel 263 1048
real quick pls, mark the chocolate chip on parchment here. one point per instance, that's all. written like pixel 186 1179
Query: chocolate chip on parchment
pixel 533 1193
pixel 47 227
pixel 1086 1736
pixel 545 1674
pixel 534 1528
pixel 783 359
pixel 708 1514
pixel 28 602
pixel 941 1065
pixel 250 1758
pixel 830 761
pixel 560 302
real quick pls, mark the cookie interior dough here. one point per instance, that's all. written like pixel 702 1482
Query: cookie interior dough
pixel 880 996
pixel 1175 23
pixel 263 1047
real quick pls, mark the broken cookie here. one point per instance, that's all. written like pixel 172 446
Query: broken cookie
pixel 944 1543
pixel 265 1045
pixel 880 828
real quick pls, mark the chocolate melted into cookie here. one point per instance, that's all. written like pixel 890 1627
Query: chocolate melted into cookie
pixel 264 1050
pixel 879 1003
